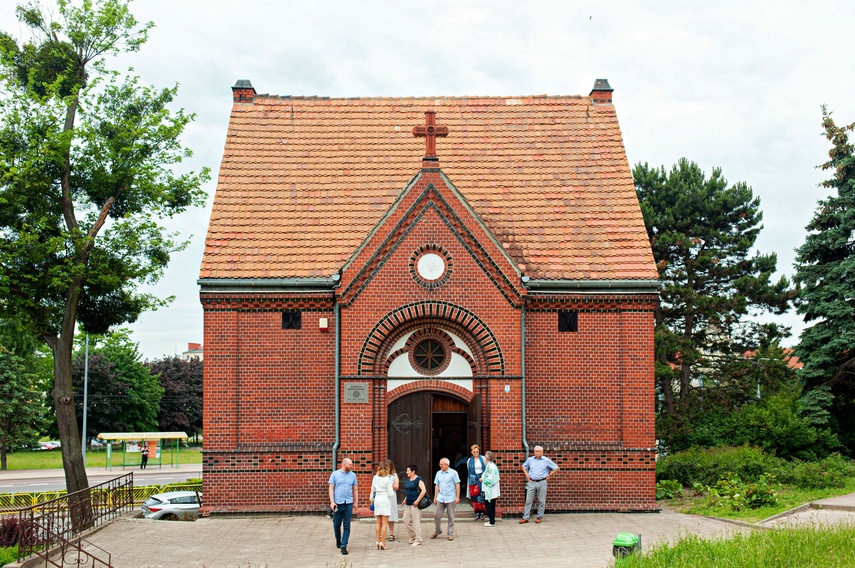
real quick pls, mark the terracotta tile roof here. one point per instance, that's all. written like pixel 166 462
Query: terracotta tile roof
pixel 304 180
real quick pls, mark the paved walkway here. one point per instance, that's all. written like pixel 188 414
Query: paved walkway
pixel 578 540
pixel 833 510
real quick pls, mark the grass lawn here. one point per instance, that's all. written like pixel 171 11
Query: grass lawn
pixel 816 547
pixel 52 459
pixel 788 498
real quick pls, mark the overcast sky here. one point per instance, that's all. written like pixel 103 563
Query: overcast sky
pixel 732 84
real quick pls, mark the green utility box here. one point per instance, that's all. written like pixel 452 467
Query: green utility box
pixel 625 543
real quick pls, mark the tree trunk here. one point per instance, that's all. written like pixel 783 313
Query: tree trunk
pixel 668 393
pixel 66 417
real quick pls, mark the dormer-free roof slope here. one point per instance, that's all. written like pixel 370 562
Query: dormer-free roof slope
pixel 304 180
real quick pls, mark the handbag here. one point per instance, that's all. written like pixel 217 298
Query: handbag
pixel 424 503
pixel 474 490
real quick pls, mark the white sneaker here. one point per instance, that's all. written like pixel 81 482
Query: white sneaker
pixel 487 524
pixel 417 543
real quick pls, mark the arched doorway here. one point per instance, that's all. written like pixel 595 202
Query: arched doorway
pixel 426 426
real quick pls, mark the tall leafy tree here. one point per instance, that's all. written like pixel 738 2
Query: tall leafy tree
pixel 124 396
pixel 22 408
pixel 86 176
pixel 825 274
pixel 181 405
pixel 702 231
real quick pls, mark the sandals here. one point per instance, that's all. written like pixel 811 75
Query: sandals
pixel 391 537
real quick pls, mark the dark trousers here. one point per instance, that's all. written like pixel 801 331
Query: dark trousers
pixel 341 516
pixel 491 510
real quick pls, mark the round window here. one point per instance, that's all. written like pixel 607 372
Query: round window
pixel 429 355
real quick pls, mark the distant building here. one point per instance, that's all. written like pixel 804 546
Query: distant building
pixel 194 352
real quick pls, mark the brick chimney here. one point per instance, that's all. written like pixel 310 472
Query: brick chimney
pixel 602 91
pixel 243 91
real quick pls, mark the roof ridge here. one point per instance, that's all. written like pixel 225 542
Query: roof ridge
pixel 415 98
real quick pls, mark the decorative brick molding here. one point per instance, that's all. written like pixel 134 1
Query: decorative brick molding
pixel 430 198
pixel 434 385
pixel 486 355
pixel 252 302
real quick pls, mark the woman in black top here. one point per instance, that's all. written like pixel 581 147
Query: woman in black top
pixel 415 491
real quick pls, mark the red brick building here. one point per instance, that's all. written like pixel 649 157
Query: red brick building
pixel 369 293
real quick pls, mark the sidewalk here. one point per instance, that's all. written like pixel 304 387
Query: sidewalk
pixel 578 540
pixel 834 510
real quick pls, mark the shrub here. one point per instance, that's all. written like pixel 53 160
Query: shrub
pixel 8 554
pixel 832 471
pixel 731 492
pixel 9 532
pixel 707 465
pixel 668 489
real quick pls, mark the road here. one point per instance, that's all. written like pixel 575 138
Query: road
pixel 29 481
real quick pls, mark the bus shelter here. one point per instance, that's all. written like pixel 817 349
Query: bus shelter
pixel 133 443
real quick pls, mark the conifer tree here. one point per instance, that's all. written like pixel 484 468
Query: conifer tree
pixel 825 274
pixel 702 231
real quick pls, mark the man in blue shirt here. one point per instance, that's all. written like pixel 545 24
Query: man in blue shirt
pixel 537 470
pixel 343 500
pixel 446 494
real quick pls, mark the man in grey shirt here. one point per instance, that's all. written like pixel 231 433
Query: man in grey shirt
pixel 446 495
pixel 537 470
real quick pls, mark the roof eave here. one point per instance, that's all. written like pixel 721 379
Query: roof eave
pixel 623 286
pixel 314 284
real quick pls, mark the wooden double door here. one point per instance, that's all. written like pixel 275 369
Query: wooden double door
pixel 425 427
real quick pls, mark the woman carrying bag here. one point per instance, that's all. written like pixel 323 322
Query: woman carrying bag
pixel 490 484
pixel 475 467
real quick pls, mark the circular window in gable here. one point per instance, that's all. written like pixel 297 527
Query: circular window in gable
pixel 431 266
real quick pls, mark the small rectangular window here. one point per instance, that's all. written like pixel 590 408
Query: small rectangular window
pixel 568 321
pixel 291 320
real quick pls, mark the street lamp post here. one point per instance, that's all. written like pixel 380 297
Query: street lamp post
pixel 85 395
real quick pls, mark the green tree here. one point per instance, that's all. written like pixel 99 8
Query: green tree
pixel 702 230
pixel 22 408
pixel 124 396
pixel 825 275
pixel 86 158
pixel 181 405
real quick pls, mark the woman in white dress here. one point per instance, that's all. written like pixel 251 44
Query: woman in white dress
pixel 393 514
pixel 382 497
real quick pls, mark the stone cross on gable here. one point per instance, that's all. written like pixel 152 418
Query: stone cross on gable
pixel 430 130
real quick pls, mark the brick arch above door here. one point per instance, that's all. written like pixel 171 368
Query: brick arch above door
pixel 486 354
pixel 439 387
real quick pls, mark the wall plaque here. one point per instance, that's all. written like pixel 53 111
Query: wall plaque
pixel 355 392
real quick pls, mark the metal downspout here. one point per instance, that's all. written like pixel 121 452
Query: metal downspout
pixel 337 443
pixel 522 354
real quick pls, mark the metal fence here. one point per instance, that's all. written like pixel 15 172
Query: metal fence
pixel 11 502
pixel 57 523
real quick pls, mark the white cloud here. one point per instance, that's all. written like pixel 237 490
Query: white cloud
pixel 729 84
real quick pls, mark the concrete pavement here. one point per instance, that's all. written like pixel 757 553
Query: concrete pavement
pixel 833 510
pixel 578 540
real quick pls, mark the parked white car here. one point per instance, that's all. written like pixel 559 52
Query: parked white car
pixel 173 506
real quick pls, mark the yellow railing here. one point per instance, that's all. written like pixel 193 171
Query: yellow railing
pixel 13 501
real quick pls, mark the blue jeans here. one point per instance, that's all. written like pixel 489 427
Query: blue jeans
pixel 343 513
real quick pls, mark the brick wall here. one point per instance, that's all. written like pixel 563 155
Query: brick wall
pixel 269 392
